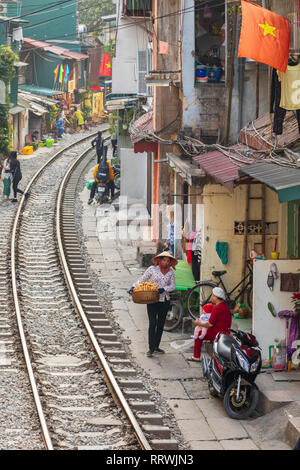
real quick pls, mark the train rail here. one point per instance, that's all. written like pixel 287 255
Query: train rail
pixel 43 245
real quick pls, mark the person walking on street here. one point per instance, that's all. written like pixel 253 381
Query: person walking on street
pixel 219 321
pixel 16 174
pixel 6 178
pixel 161 274
pixel 98 141
pixel 79 117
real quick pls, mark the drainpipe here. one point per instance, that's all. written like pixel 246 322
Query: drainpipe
pixel 241 77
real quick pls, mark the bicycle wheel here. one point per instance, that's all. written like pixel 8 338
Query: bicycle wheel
pixel 198 296
pixel 174 316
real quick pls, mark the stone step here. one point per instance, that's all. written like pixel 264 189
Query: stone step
pixel 292 431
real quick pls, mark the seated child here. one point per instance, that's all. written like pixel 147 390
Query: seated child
pixel 199 331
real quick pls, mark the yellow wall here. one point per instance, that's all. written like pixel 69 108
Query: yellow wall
pixel 221 209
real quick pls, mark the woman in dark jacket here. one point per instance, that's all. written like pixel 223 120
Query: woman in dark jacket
pixel 15 169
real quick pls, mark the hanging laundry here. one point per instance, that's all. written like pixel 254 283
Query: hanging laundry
pixel 56 73
pixel 222 250
pixel 64 74
pixel 279 112
pixel 61 70
pixel 290 87
pixel 67 73
pixel 17 34
pixel 265 36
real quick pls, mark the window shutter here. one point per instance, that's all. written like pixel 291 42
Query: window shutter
pixel 142 71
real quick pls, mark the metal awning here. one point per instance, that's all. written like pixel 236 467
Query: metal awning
pixel 184 168
pixel 40 90
pixel 284 180
pixel 35 108
pixel 221 167
pixel 39 99
pixel 16 109
pixel 60 51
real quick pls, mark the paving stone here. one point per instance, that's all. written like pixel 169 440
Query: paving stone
pixel 205 445
pixel 185 410
pixel 172 389
pixel 212 408
pixel 196 429
pixel 196 389
pixel 227 428
pixel 240 444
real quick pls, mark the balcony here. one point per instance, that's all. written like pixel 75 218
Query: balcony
pixel 137 8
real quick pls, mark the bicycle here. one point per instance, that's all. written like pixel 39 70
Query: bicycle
pixel 175 313
pixel 200 294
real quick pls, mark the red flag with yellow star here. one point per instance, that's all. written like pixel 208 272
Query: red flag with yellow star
pixel 265 36
pixel 105 67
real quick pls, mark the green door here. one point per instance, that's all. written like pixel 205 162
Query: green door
pixel 293 248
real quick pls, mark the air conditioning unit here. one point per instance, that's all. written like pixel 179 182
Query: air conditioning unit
pixel 3 9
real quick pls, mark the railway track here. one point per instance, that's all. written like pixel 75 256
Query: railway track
pixel 75 386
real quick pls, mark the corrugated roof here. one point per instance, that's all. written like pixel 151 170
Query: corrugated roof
pixel 143 123
pixel 40 90
pixel 221 167
pixel 257 133
pixel 61 51
pixel 284 180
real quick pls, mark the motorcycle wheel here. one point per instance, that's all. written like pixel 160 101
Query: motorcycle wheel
pixel 117 182
pixel 174 316
pixel 245 407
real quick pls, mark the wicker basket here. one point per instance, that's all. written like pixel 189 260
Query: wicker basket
pixel 145 297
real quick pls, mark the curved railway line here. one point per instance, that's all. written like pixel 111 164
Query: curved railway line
pixel 78 368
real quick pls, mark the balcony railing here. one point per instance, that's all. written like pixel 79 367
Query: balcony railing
pixel 138 8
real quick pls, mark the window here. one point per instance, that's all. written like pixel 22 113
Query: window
pixel 290 9
pixel 144 65
pixel 137 7
pixel 210 41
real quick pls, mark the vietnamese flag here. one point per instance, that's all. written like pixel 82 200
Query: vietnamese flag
pixel 265 36
pixel 105 67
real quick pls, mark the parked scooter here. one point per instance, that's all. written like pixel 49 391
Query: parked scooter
pixel 232 370
pixel 117 176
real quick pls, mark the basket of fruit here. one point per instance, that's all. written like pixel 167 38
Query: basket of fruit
pixel 145 293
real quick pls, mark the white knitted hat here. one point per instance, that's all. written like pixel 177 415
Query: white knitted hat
pixel 218 292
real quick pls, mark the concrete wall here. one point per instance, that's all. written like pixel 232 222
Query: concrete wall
pixel 134 184
pixel 221 209
pixel 265 327
pixel 130 39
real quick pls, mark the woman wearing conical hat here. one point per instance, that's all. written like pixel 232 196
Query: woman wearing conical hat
pixel 161 274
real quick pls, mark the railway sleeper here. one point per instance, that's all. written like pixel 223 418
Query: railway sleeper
pixel 137 384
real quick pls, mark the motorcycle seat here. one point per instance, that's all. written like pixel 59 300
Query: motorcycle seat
pixel 218 273
pixel 224 346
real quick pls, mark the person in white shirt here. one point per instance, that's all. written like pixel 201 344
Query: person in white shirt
pixel 161 274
